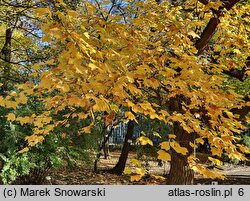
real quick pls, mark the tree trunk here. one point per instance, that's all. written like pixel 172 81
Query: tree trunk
pixel 180 173
pixel 207 34
pixel 6 56
pixel 106 148
pixel 120 166
pixel 103 147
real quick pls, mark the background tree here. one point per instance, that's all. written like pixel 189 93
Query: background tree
pixel 22 49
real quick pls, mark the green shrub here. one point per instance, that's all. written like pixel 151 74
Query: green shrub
pixel 246 140
pixel 56 151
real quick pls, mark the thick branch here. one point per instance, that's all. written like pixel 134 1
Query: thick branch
pixel 207 34
pixel 229 4
pixel 240 74
pixel 244 111
pixel 210 29
pixel 205 2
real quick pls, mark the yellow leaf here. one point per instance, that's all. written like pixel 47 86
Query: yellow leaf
pixel 87 129
pixel 151 83
pixel 23 99
pixel 82 115
pixel 46 38
pixel 2 101
pixel 135 178
pixel 165 145
pixel 38 123
pixel 193 145
pixel 144 140
pixel 135 162
pixel 161 178
pixel 86 34
pixel 51 61
pixel 156 134
pixel 139 171
pixel 11 117
pixel 215 161
pixel 92 66
pixel 164 113
pixel 237 155
pixel 171 136
pixel 29 91
pixel 13 94
pixel 199 140
pixel 11 104
pixel 64 87
pixel 178 148
pixel 25 120
pixel 46 120
pixel 162 155
pixel 130 79
pixel 213 5
pixel 37 66
pixel 217 48
pixel 216 151
pixel 236 51
pixel 101 105
pixel 244 149
pixel 23 150
pixel 48 128
pixel 127 170
pixel 62 2
pixel 133 89
pixel 193 34
pixel 42 11
pixel 34 139
pixel 72 13
pixel 186 127
pixel 114 107
pixel 130 116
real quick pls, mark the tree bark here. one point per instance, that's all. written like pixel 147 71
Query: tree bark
pixel 120 166
pixel 207 34
pixel 244 111
pixel 106 152
pixel 180 173
pixel 211 27
pixel 102 147
pixel 6 56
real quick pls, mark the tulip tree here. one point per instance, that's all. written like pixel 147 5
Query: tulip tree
pixel 162 61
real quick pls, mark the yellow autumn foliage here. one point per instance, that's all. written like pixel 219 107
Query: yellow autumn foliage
pixel 146 66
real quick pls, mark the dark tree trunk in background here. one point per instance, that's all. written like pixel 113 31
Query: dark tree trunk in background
pixel 243 111
pixel 120 166
pixel 6 56
pixel 103 146
pixel 106 152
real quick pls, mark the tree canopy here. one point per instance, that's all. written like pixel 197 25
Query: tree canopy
pixel 166 61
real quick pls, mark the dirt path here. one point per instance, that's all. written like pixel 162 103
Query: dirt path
pixel 235 174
